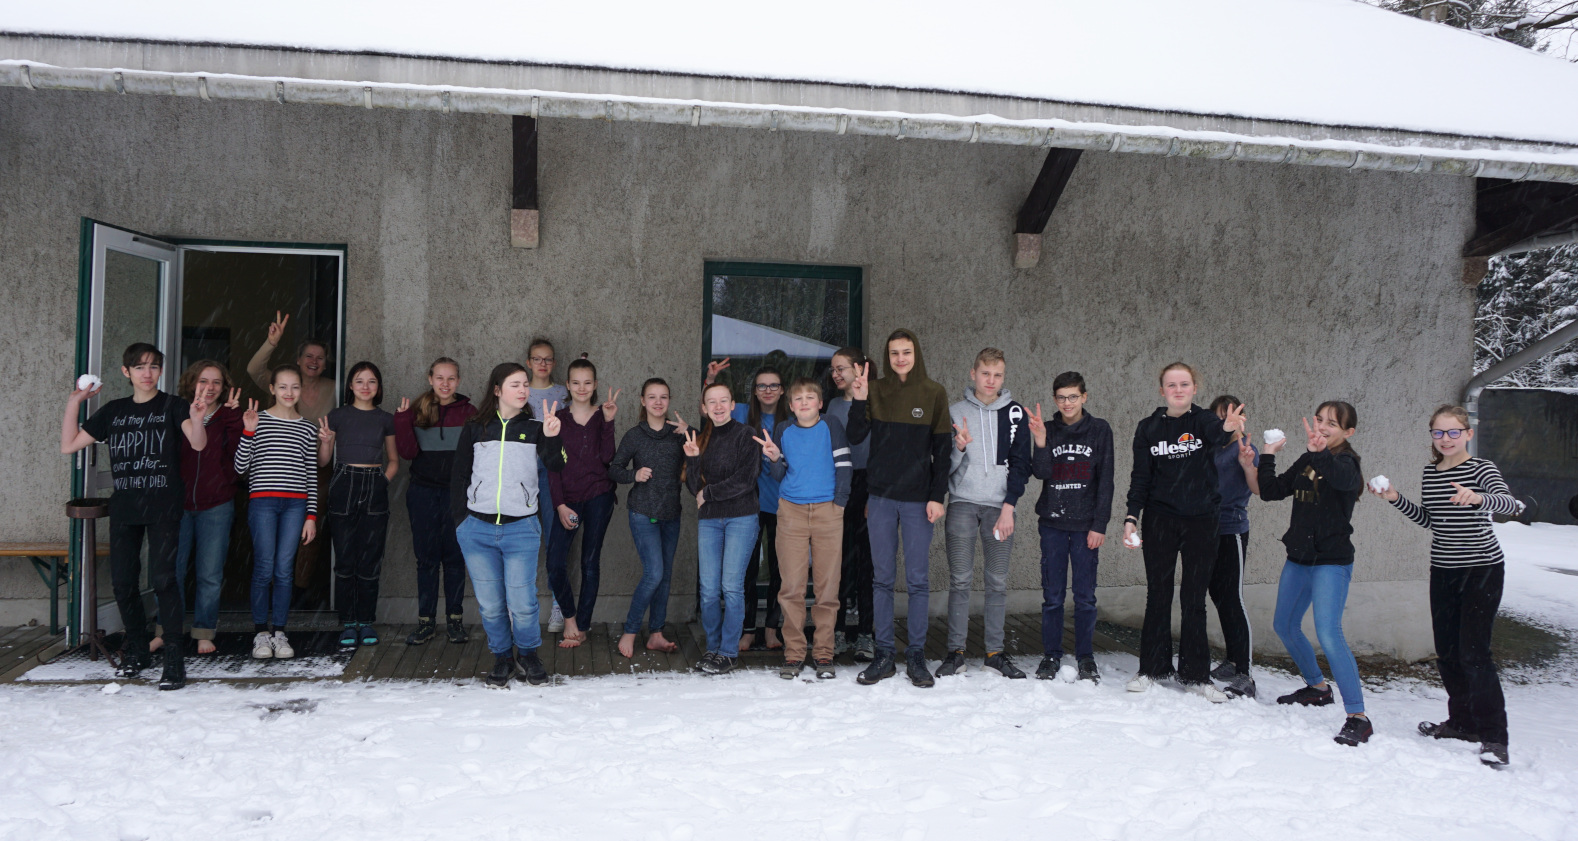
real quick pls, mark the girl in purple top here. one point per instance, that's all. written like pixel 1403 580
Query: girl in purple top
pixel 583 497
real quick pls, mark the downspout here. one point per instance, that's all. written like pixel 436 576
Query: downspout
pixel 1552 342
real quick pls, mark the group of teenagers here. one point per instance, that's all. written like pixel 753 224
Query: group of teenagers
pixel 823 486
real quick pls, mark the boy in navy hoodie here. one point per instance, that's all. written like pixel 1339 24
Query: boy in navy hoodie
pixel 1073 458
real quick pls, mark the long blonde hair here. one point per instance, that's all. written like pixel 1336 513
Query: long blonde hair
pixel 1446 409
pixel 427 405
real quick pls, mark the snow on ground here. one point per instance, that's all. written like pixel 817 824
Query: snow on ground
pixel 1542 572
pixel 753 756
pixel 1332 62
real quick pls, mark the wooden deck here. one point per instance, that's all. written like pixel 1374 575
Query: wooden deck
pixel 441 661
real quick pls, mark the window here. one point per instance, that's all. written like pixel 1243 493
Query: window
pixel 793 318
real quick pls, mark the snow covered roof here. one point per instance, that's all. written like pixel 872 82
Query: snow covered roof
pixel 1247 68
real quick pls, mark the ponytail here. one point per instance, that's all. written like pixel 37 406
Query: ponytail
pixel 427 406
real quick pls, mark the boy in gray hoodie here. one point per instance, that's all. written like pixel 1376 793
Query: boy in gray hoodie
pixel 991 465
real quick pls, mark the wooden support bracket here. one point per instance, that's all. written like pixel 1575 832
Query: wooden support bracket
pixel 524 212
pixel 1037 209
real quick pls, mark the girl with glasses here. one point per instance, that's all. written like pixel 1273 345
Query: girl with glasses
pixel 540 359
pixel 1457 495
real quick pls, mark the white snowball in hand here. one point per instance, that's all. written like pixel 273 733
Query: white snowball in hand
pixel 1380 484
pixel 87 381
pixel 1131 541
pixel 1272 436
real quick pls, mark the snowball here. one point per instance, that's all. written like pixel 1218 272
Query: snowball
pixel 1380 484
pixel 1272 436
pixel 111 688
pixel 1132 541
pixel 87 381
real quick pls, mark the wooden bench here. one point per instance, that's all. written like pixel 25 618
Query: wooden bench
pixel 46 558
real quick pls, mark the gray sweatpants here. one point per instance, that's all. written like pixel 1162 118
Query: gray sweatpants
pixel 964 521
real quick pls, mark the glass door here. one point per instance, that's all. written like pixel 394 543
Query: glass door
pixel 127 292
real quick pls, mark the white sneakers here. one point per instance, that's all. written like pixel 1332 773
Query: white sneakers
pixel 1207 691
pixel 1140 683
pixel 555 620
pixel 266 645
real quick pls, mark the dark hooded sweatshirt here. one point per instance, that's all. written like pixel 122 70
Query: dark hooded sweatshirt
pixel 431 451
pixel 1175 464
pixel 1076 468
pixel 911 431
pixel 1324 487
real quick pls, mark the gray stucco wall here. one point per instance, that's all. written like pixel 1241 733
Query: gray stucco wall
pixel 1285 286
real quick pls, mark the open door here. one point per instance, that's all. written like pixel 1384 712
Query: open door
pixel 128 292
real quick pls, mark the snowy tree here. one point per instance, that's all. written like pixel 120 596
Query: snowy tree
pixel 1541 25
pixel 1521 300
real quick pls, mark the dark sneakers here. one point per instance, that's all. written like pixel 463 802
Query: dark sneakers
pixel 529 667
pixel 1240 686
pixel 456 627
pixel 1047 670
pixel 425 631
pixel 132 663
pixel 915 669
pixel 824 670
pixel 1493 754
pixel 881 668
pixel 1445 730
pixel 952 664
pixel 1003 665
pixel 1224 672
pixel 705 661
pixel 1087 670
pixel 1356 730
pixel 503 669
pixel 791 669
pixel 1308 696
pixel 718 665
pixel 174 676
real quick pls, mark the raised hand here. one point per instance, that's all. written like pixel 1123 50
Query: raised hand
pixel 1274 447
pixel 81 394
pixel 716 368
pixel 1234 422
pixel 199 409
pixel 1390 494
pixel 1246 453
pixel 405 405
pixel 961 434
pixel 1038 427
pixel 324 432
pixel 235 399
pixel 550 419
pixel 249 418
pixel 860 389
pixel 643 474
pixel 1465 497
pixel 692 448
pixel 1317 442
pixel 679 424
pixel 769 449
pixel 611 406
pixel 276 330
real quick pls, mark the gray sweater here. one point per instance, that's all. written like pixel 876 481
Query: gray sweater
pixel 664 452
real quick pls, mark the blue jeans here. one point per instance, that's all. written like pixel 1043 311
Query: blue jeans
pixel 887 518
pixel 725 545
pixel 1059 550
pixel 656 541
pixel 502 561
pixel 276 533
pixel 1326 588
pixel 595 513
pixel 207 532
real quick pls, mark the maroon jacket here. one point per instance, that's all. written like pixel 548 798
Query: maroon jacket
pixel 210 474
pixel 432 451
pixel 588 450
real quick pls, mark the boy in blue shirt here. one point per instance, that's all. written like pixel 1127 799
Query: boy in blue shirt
pixel 809 456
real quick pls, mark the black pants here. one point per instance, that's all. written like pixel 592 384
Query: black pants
pixel 437 550
pixel 766 544
pixel 854 585
pixel 1166 537
pixel 1463 605
pixel 126 579
pixel 1227 593
pixel 358 524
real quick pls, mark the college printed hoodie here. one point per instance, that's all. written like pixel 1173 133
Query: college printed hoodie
pixel 1076 467
pixel 1324 487
pixel 495 472
pixel 911 432
pixel 1175 464
pixel 431 451
pixel 993 469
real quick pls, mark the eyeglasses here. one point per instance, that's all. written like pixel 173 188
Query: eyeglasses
pixel 541 360
pixel 1067 398
pixel 1454 434
pixel 769 387
pixel 842 370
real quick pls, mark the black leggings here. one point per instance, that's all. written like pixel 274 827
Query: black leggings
pixel 1463 604
pixel 854 587
pixel 766 544
pixel 1227 593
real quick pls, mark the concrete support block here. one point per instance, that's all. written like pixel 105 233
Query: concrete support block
pixel 1475 269
pixel 523 228
pixel 1027 250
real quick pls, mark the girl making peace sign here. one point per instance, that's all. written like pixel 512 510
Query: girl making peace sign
pixel 583 495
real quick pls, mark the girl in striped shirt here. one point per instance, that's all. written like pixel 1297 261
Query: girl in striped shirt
pixel 1457 495
pixel 278 454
